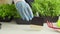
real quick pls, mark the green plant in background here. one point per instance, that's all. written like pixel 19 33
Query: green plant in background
pixel 3 11
pixel 14 12
pixel 43 7
pixel 54 9
pixel 46 7
pixel 40 7
pixel 7 10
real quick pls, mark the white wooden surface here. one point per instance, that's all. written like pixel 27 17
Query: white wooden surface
pixel 12 28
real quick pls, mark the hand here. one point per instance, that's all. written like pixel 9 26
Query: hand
pixel 24 10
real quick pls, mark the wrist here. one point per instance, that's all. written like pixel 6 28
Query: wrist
pixel 15 1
